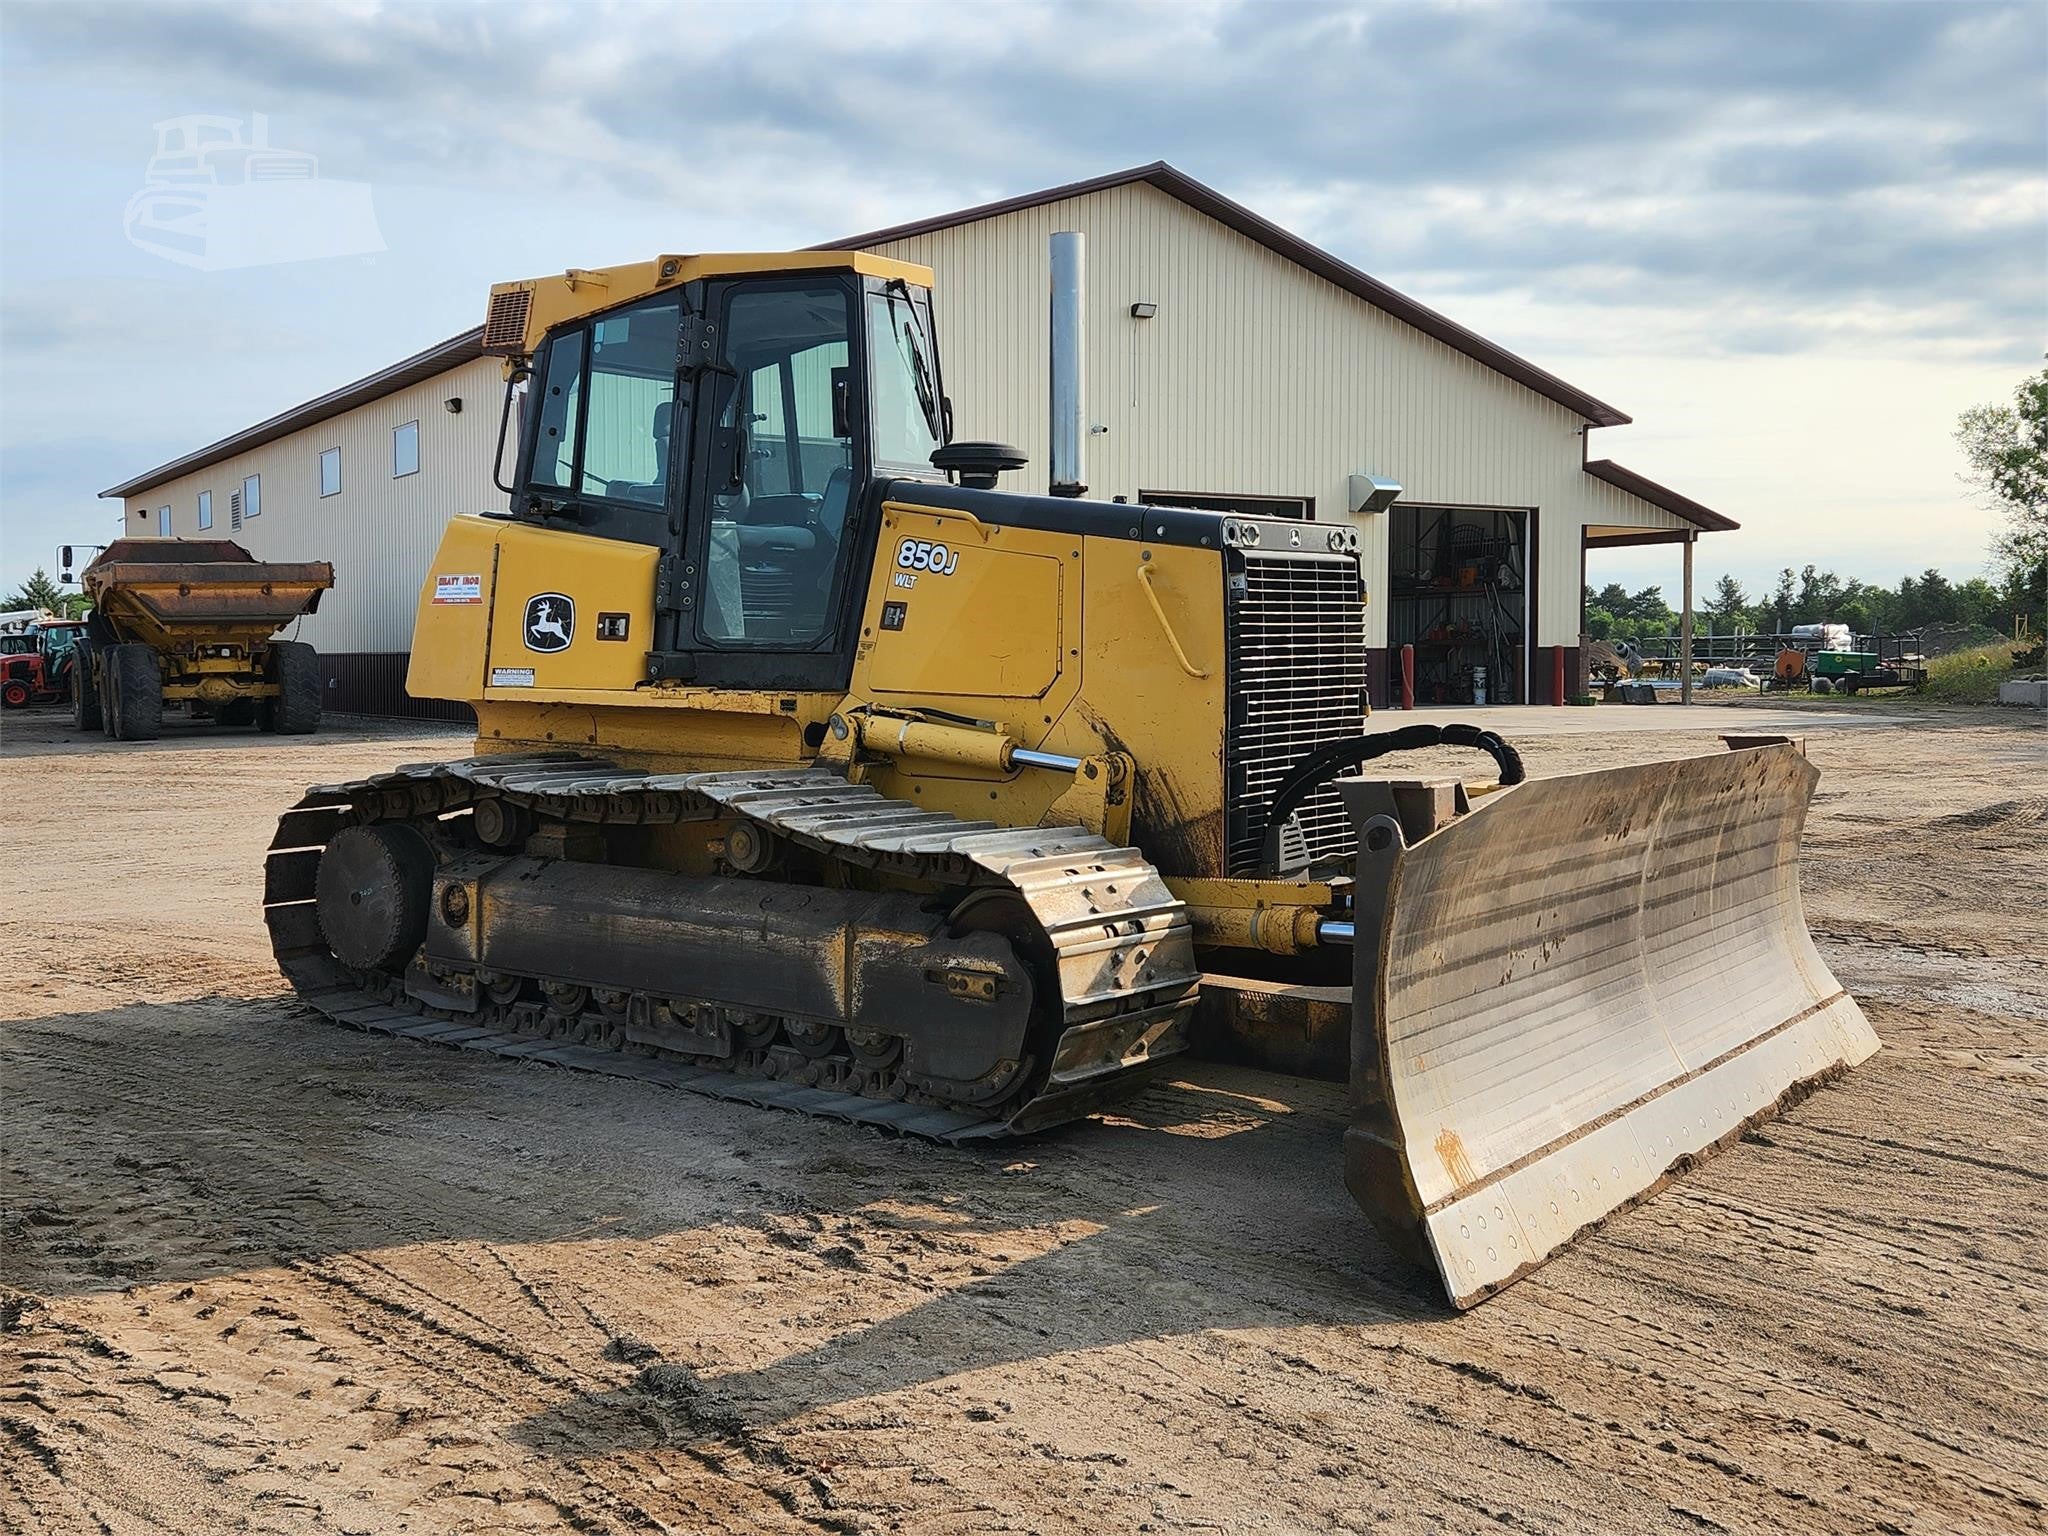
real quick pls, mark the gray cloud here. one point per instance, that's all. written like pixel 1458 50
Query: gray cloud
pixel 1751 180
pixel 1761 139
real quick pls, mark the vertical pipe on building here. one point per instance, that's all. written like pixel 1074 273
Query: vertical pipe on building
pixel 1407 677
pixel 1557 674
pixel 1685 627
pixel 1069 428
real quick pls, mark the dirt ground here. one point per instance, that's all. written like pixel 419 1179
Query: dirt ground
pixel 262 1273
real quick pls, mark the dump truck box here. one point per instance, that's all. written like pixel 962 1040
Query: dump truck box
pixel 191 621
pixel 169 592
pixel 1566 996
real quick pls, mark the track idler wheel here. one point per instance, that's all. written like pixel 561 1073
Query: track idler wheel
pixel 373 889
pixel 873 1049
pixel 814 1041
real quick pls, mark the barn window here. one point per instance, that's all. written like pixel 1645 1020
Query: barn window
pixel 205 510
pixel 330 472
pixel 405 450
pixel 1301 509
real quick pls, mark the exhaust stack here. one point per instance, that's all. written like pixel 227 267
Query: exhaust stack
pixel 1069 423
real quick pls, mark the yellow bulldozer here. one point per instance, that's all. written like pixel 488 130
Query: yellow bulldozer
pixel 815 771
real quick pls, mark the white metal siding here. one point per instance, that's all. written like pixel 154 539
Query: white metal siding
pixel 1255 377
pixel 381 531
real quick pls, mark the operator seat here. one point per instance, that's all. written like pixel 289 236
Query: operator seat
pixel 654 492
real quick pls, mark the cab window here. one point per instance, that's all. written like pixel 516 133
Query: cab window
pixel 903 380
pixel 780 468
pixel 632 399
pixel 606 406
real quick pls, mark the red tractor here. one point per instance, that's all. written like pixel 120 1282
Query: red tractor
pixel 35 667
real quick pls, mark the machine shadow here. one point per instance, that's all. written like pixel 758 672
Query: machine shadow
pixel 1132 1282
pixel 1213 1202
pixel 1249 1228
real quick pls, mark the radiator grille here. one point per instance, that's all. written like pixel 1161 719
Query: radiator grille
pixel 1297 682
pixel 505 322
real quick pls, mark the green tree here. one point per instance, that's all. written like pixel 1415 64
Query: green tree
pixel 1728 606
pixel 2006 449
pixel 1978 603
pixel 37 592
pixel 1866 610
pixel 1777 609
pixel 1599 617
pixel 1648 608
pixel 1930 600
pixel 1819 594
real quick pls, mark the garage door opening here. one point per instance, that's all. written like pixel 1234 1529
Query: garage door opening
pixel 1459 593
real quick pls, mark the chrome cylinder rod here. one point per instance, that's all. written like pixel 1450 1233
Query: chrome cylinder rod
pixel 1024 757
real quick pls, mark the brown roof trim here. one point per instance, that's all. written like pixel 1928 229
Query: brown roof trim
pixel 417 369
pixel 1660 496
pixel 1208 200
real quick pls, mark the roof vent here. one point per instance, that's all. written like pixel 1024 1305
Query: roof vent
pixel 505 325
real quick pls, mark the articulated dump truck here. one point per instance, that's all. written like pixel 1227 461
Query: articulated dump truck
pixel 814 771
pixel 193 622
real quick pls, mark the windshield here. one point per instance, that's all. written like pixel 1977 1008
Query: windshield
pixel 904 385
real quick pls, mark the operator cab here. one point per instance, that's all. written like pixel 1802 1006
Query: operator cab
pixel 742 423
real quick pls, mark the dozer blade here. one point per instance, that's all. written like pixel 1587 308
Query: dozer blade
pixel 1578 989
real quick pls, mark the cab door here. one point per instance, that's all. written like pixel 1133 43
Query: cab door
pixel 779 513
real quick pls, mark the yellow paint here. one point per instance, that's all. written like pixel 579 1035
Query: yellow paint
pixel 651 728
pixel 450 637
pixel 599 576
pixel 988 624
pixel 583 291
pixel 1049 638
pixel 1095 646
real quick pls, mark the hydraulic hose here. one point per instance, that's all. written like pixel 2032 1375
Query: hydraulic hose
pixel 1326 762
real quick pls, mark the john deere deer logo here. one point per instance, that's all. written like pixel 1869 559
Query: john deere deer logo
pixel 550 621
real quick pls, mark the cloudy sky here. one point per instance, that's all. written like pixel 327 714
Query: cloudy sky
pixel 1792 240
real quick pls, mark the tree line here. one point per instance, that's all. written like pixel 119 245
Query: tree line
pixel 2005 456
pixel 1982 608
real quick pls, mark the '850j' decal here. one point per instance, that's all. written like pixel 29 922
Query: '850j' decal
pixel 924 555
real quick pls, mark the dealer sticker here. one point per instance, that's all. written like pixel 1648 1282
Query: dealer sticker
pixel 458 589
pixel 511 677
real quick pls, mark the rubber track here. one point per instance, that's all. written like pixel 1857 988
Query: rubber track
pixel 1123 944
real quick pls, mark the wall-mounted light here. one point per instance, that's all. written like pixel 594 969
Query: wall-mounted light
pixel 453 405
pixel 1143 310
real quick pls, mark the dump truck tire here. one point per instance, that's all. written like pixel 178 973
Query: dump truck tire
pixel 85 698
pixel 295 668
pixel 137 692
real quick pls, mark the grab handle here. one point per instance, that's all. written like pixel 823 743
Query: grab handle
pixel 1179 655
